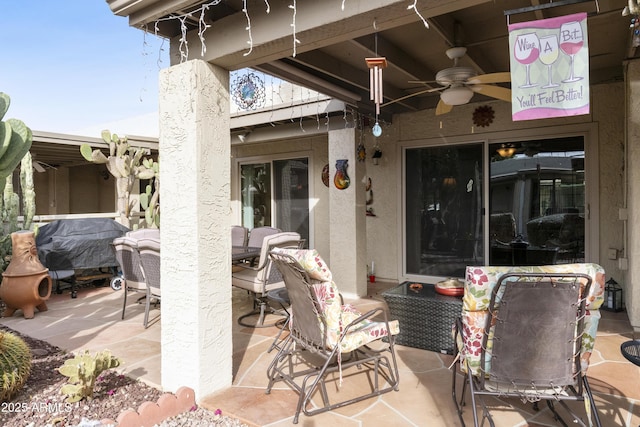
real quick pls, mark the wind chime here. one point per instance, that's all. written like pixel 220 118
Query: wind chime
pixel 376 65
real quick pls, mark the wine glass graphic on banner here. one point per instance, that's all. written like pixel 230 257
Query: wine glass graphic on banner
pixel 549 53
pixel 526 51
pixel 571 41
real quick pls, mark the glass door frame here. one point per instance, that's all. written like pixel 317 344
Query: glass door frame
pixel 589 131
pixel 237 191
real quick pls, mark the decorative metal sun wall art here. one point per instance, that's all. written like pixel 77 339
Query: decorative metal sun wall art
pixel 248 92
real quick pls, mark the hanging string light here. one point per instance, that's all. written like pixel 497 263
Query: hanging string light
pixel 202 26
pixel 293 26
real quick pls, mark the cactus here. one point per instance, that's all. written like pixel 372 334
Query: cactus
pixel 149 200
pixel 15 142
pixel 15 364
pixel 15 139
pixel 126 164
pixel 82 371
pixel 28 191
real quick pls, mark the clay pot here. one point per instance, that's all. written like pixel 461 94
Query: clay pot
pixel 26 283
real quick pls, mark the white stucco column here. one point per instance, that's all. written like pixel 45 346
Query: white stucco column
pixel 347 227
pixel 195 228
pixel 632 296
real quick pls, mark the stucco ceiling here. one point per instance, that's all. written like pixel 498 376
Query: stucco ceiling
pixel 334 43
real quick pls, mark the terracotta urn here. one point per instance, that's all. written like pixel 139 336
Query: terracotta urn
pixel 26 283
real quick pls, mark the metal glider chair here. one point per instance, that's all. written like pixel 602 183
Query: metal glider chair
pixel 528 345
pixel 327 339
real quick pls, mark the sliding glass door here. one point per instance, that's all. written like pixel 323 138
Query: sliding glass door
pixel 444 205
pixel 276 193
pixel 537 202
pixel 535 198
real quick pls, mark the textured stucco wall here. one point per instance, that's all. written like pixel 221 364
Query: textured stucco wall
pixel 347 217
pixel 609 113
pixel 196 243
pixel 632 295
pixel 383 229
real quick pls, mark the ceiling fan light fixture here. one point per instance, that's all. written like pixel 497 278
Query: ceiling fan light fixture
pixel 457 95
pixel 456 52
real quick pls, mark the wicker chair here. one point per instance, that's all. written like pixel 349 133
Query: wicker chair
pixel 262 278
pixel 239 235
pixel 149 250
pixel 528 343
pixel 327 338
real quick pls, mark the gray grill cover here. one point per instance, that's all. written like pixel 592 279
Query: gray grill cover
pixel 75 244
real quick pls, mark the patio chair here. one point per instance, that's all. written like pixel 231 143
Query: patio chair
pixel 126 252
pixel 258 280
pixel 258 234
pixel 149 250
pixel 529 342
pixel 327 338
pixel 239 235
pixel 254 240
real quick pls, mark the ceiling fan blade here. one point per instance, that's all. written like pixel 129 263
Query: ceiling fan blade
pixel 402 98
pixel 37 166
pixel 503 77
pixel 443 108
pixel 497 92
pixel 421 82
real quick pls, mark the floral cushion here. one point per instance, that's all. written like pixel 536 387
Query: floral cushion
pixel 336 315
pixel 310 260
pixel 479 283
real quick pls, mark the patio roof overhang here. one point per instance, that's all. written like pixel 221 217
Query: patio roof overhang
pixel 334 42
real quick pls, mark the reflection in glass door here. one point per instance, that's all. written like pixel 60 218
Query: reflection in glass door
pixel 443 200
pixel 291 179
pixel 537 202
pixel 255 181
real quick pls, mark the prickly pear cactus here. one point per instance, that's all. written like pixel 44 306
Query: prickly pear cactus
pixel 15 139
pixel 150 199
pixel 126 164
pixel 15 364
pixel 15 142
pixel 82 371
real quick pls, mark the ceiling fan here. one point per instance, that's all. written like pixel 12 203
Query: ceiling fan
pixel 460 83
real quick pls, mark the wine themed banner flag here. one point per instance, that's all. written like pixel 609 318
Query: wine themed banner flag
pixel 549 67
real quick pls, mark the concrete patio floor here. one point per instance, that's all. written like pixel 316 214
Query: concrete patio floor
pixel 92 321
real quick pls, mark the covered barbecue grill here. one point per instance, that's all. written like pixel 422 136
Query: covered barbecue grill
pixel 79 251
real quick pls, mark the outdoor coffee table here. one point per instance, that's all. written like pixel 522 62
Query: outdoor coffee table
pixel 425 316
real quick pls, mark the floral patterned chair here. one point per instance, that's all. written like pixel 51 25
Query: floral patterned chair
pixel 321 325
pixel 508 312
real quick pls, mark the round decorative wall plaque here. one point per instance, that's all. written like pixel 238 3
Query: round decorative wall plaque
pixel 483 116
